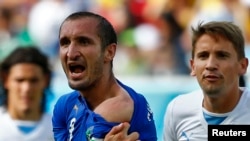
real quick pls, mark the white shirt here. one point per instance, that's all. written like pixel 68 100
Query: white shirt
pixel 10 132
pixel 184 120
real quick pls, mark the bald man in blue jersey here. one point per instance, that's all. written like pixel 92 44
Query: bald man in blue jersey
pixel 101 107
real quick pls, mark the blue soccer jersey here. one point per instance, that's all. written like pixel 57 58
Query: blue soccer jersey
pixel 74 121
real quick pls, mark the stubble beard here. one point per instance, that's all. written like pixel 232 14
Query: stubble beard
pixel 91 80
pixel 212 91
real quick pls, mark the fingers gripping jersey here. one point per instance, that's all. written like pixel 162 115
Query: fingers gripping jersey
pixel 98 127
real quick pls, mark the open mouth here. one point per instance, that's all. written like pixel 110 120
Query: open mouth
pixel 76 68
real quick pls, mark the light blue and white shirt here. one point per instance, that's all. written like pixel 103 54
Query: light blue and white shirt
pixel 184 118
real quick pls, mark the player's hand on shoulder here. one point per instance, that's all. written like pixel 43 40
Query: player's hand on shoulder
pixel 120 133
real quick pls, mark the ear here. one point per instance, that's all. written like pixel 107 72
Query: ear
pixel 243 66
pixel 192 73
pixel 4 79
pixel 47 80
pixel 109 52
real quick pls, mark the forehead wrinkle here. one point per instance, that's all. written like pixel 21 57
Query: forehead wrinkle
pixel 71 28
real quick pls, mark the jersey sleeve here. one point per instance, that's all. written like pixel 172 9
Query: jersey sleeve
pixel 168 129
pixel 59 120
pixel 143 120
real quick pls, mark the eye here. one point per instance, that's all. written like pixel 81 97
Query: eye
pixel 223 55
pixel 202 55
pixel 19 80
pixel 83 41
pixel 34 80
pixel 64 41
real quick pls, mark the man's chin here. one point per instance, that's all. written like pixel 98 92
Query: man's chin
pixel 27 111
pixel 76 85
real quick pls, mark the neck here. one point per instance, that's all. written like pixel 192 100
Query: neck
pixel 222 104
pixel 31 115
pixel 103 90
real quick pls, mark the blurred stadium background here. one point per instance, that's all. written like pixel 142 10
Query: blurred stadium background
pixel 154 39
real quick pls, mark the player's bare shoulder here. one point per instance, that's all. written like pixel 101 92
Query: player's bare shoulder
pixel 117 109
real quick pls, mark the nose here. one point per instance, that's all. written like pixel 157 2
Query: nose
pixel 73 52
pixel 211 63
pixel 26 87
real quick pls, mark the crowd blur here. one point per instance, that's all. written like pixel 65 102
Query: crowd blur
pixel 153 34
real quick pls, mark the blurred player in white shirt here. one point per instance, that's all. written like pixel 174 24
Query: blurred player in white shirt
pixel 25 75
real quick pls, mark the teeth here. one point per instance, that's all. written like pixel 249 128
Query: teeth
pixel 78 70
